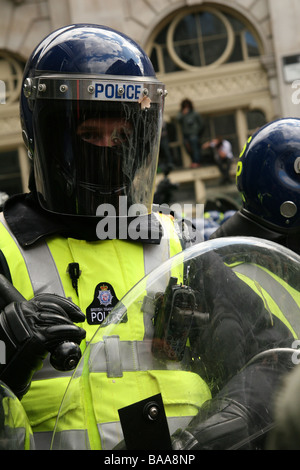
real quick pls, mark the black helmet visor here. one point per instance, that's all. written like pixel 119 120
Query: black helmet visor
pixel 94 152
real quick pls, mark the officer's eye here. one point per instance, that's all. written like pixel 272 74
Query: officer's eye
pixel 89 136
pixel 119 136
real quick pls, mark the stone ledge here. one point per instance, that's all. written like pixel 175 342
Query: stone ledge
pixel 198 176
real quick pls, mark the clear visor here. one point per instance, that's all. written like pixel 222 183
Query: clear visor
pixel 220 320
pixel 94 152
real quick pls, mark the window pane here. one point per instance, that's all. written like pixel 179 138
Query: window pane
pixel 189 53
pixel 161 38
pixel 10 179
pixel 154 60
pixel 224 124
pixel 255 118
pixel 12 185
pixel 252 46
pixel 170 66
pixel 172 132
pixel 236 24
pixel 237 52
pixel 213 49
pixel 186 29
pixel 8 162
pixel 211 25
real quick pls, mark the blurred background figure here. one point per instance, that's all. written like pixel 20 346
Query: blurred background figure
pixel 164 193
pixel 223 156
pixel 165 162
pixel 192 126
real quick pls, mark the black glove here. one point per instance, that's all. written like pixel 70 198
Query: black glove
pixel 219 431
pixel 31 329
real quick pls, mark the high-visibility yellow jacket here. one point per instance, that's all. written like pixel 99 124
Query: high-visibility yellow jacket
pixel 16 433
pixel 142 377
pixel 91 418
pixel 115 265
pixel 278 296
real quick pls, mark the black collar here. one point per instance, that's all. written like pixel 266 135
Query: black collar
pixel 30 223
pixel 240 224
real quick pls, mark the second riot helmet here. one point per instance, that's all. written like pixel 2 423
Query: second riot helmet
pixel 268 175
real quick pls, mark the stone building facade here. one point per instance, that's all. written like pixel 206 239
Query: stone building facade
pixel 237 60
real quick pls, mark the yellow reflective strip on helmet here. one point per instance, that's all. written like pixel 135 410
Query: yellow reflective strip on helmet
pixel 245 146
pixel 240 164
pixel 239 168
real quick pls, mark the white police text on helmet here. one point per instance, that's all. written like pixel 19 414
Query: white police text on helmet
pixel 117 91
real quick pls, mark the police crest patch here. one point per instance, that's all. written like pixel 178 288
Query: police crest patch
pixel 104 301
pixel 105 297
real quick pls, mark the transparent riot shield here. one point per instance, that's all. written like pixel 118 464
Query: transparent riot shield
pixel 192 356
pixel 15 430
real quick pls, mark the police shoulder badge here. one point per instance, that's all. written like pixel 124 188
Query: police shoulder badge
pixel 103 302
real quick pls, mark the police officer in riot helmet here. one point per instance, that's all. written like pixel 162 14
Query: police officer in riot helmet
pixel 91 111
pixel 85 152
pixel 101 149
pixel 268 179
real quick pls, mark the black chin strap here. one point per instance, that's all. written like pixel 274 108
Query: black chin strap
pixel 241 225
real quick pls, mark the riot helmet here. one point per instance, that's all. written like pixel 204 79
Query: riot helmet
pixel 268 175
pixel 91 113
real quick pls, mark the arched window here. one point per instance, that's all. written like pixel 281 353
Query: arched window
pixel 211 55
pixel 201 38
pixel 255 119
pixel 11 71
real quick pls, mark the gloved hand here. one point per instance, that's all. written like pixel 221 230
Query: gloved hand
pixel 31 329
pixel 217 427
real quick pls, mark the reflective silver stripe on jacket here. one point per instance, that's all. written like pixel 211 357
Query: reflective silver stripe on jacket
pixel 115 357
pixel 44 278
pixel 42 270
pixel 110 433
pixel 277 292
pixel 64 440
